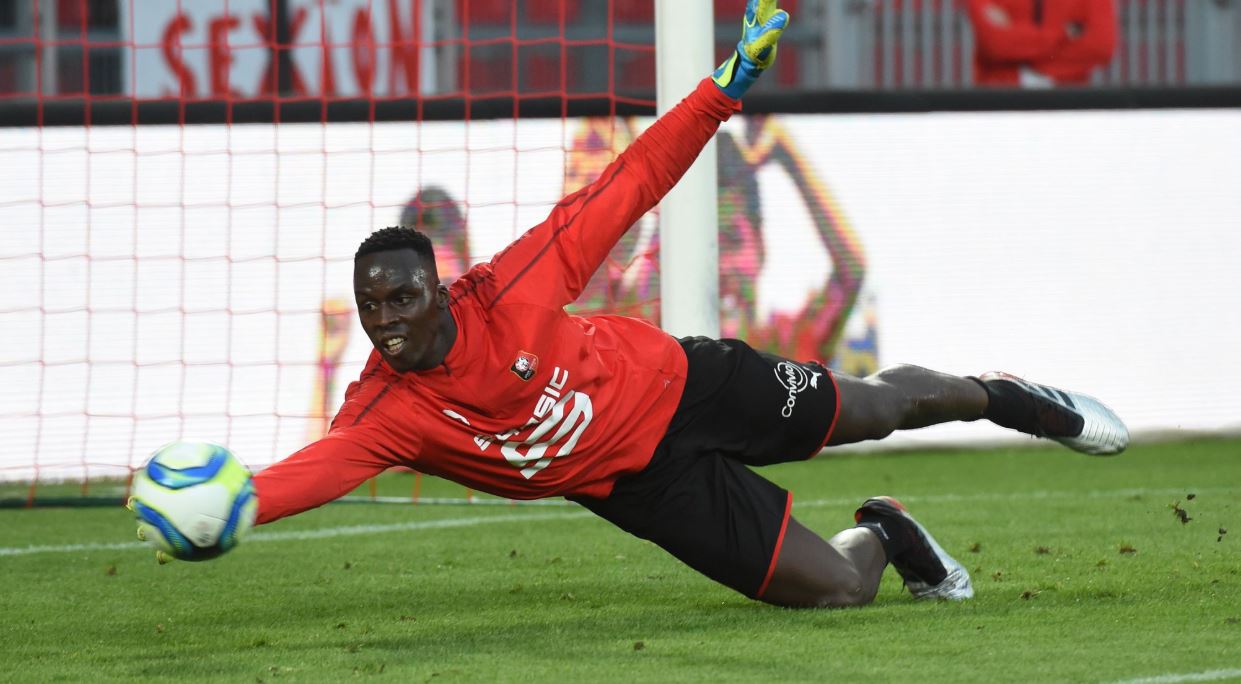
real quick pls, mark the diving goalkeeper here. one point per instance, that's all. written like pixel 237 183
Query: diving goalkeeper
pixel 488 382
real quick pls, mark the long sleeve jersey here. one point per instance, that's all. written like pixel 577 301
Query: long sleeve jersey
pixel 530 402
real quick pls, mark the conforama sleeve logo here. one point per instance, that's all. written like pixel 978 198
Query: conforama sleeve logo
pixel 796 379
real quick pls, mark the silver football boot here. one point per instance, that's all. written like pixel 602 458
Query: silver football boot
pixel 1078 421
pixel 928 570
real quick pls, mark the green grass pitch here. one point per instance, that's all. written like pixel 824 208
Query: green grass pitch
pixel 1084 569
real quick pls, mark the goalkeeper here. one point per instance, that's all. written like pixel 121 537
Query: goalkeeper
pixel 488 382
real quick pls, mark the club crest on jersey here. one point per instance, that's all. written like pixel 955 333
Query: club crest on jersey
pixel 526 365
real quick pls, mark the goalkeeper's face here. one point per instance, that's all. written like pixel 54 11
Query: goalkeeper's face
pixel 403 309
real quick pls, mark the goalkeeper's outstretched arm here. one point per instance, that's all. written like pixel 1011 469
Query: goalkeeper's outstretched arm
pixel 585 226
pixel 319 473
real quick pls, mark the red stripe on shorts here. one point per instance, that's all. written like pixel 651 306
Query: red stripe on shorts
pixel 775 555
pixel 835 416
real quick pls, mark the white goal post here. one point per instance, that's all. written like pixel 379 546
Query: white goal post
pixel 688 222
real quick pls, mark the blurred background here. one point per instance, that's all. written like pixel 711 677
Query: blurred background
pixel 1046 187
pixel 112 47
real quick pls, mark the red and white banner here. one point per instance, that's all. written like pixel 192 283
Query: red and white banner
pixel 339 48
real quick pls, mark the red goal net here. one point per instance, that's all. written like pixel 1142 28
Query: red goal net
pixel 185 184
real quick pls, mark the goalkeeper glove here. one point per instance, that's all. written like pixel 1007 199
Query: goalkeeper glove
pixel 160 557
pixel 756 50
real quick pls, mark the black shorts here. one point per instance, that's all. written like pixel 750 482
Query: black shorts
pixel 696 498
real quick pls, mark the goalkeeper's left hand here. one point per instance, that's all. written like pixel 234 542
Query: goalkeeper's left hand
pixel 756 50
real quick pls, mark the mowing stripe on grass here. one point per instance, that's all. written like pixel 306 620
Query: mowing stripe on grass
pixel 354 530
pixel 837 501
pixel 1031 496
pixel 1208 676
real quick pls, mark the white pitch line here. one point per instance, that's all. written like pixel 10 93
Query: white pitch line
pixel 355 530
pixel 1208 676
pixel 321 533
pixel 69 548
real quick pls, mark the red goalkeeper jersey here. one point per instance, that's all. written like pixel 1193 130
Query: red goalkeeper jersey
pixel 530 402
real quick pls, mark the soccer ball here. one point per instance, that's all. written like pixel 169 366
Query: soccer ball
pixel 193 500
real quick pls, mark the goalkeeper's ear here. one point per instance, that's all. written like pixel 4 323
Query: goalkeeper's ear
pixel 761 29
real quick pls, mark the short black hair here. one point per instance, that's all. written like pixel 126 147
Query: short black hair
pixel 397 237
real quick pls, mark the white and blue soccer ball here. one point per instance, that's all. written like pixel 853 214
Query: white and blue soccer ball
pixel 193 500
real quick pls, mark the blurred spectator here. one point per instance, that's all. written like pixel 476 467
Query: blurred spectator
pixel 1041 43
pixel 434 212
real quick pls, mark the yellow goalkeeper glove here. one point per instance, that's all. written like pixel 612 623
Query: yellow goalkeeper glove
pixel 160 557
pixel 760 30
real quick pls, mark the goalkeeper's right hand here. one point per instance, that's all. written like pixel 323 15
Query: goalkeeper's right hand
pixel 160 557
pixel 760 30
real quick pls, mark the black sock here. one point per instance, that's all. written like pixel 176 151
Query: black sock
pixel 1008 405
pixel 1012 406
pixel 893 544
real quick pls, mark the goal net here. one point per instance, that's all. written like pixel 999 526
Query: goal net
pixel 182 212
